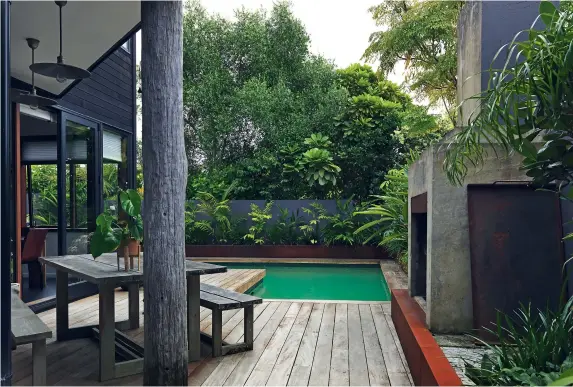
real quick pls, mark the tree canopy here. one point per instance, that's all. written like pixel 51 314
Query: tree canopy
pixel 251 83
pixel 271 119
pixel 423 35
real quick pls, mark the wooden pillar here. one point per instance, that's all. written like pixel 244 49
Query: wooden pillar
pixel 165 176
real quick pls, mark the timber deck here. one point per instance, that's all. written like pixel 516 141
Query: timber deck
pixel 296 343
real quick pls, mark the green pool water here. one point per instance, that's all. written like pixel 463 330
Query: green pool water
pixel 318 282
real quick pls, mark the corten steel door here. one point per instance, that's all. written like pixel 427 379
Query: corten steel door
pixel 516 250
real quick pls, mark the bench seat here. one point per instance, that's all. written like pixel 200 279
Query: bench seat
pixel 28 328
pixel 217 300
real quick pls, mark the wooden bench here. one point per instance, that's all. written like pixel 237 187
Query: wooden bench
pixel 218 300
pixel 28 328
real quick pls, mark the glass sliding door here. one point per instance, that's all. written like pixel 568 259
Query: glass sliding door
pixel 115 146
pixel 78 182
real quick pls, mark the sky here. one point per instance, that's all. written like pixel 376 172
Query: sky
pixel 338 30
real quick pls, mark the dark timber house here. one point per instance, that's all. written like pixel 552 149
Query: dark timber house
pixel 91 131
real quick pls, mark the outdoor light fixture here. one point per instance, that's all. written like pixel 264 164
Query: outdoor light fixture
pixel 32 99
pixel 61 71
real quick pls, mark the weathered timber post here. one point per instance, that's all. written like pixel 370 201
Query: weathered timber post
pixel 165 177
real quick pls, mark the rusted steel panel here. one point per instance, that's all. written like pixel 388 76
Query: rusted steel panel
pixel 516 250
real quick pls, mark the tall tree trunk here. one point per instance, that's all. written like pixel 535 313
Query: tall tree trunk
pixel 165 177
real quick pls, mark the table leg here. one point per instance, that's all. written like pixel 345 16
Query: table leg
pixel 62 318
pixel 193 323
pixel 107 332
pixel 133 294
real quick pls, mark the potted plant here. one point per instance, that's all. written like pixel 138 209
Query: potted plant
pixel 122 232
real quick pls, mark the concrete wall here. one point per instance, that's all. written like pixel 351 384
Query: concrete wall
pixel 484 26
pixel 449 272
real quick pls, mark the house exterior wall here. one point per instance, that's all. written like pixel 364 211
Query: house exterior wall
pixel 108 95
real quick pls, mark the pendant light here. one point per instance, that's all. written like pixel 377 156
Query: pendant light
pixel 32 99
pixel 59 70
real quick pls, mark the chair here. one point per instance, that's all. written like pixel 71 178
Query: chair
pixel 31 251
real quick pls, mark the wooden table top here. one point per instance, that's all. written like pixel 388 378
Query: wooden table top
pixel 104 268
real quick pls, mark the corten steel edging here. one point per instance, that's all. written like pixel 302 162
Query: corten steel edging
pixel 505 228
pixel 287 251
pixel 427 362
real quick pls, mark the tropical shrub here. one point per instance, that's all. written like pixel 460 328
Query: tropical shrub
pixel 340 226
pixel 286 229
pixel 259 219
pixel 112 230
pixel 535 348
pixel 389 227
pixel 218 211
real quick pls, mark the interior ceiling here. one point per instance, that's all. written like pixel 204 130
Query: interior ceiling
pixel 90 29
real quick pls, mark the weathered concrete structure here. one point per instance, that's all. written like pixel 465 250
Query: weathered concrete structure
pixel 439 264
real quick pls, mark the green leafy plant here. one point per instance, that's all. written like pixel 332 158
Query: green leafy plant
pixel 340 226
pixel 534 348
pixel 529 98
pixel 319 167
pixel 112 230
pixel 286 229
pixel 311 231
pixel 259 218
pixel 196 231
pixel 218 211
pixel 317 140
pixel 389 227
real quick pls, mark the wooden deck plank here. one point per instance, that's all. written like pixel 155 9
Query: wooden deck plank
pixel 228 363
pixel 320 371
pixel 293 345
pixel 397 372
pixel 300 372
pixel 357 366
pixel 206 368
pixel 377 373
pixel 285 312
pixel 399 345
pixel 282 368
pixel 262 370
pixel 339 363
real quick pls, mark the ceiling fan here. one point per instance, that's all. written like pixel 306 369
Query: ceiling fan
pixel 32 99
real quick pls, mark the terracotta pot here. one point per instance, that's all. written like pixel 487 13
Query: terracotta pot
pixel 128 250
pixel 132 247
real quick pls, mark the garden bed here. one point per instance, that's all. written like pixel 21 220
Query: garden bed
pixel 287 251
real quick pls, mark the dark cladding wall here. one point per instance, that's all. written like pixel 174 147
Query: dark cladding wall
pixel 108 94
pixel 501 21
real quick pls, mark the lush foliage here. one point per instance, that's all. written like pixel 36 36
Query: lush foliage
pixel 389 210
pixel 529 97
pixel 112 230
pixel 423 35
pixel 535 348
pixel 251 85
pixel 287 126
pixel 272 225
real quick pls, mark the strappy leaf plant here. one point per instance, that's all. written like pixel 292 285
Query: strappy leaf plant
pixel 530 97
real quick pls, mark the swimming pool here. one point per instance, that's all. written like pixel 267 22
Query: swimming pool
pixel 318 281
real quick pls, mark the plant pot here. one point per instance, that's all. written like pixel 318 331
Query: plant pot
pixel 128 250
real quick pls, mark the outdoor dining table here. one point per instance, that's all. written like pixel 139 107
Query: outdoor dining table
pixel 104 273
